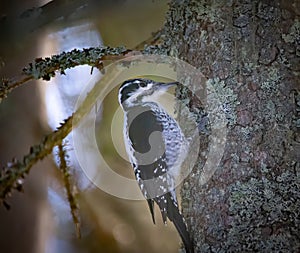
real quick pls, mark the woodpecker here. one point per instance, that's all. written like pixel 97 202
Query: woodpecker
pixel 156 147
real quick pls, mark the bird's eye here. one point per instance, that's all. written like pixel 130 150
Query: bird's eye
pixel 143 84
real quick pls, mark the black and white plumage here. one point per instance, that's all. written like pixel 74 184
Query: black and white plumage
pixel 156 147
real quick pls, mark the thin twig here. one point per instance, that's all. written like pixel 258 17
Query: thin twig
pixel 8 85
pixel 70 187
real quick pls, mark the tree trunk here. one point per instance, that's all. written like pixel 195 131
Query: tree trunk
pixel 249 52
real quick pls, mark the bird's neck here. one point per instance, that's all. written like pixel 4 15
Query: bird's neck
pixel 139 106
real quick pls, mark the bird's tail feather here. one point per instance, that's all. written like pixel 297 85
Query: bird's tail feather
pixel 175 216
pixel 151 207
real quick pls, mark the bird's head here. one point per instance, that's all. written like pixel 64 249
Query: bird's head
pixel 138 91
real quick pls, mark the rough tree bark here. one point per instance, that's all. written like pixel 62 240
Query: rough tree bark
pixel 249 51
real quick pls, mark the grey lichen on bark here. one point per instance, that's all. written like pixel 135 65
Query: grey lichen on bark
pixel 249 52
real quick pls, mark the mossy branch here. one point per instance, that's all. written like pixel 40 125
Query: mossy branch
pixel 47 67
pixel 12 175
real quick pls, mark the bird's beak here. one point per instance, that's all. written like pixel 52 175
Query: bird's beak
pixel 173 84
pixel 166 85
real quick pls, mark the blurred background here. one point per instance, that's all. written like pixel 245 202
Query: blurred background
pixel 39 219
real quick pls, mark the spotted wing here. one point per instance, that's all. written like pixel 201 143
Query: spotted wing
pixel 150 165
pixel 148 149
